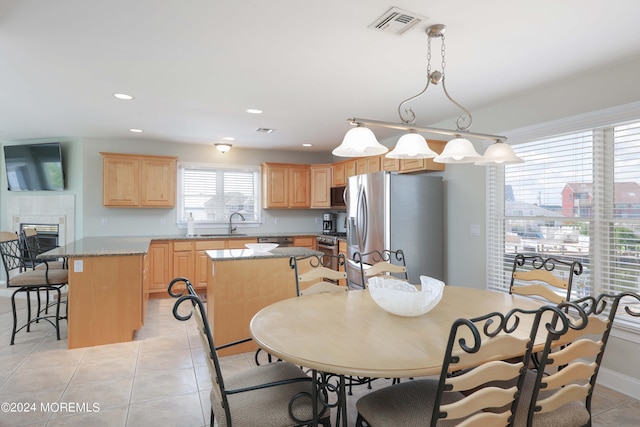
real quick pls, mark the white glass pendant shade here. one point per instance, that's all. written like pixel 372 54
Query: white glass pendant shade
pixel 359 142
pixel 458 150
pixel 412 146
pixel 499 153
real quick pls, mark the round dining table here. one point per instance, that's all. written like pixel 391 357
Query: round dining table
pixel 347 333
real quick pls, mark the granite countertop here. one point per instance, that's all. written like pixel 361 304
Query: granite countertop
pixel 209 236
pixel 139 245
pixel 100 246
pixel 244 254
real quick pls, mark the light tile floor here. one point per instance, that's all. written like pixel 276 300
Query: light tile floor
pixel 159 379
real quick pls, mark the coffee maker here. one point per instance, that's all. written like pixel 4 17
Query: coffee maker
pixel 328 223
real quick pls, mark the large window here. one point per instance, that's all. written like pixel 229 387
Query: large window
pixel 576 197
pixel 211 193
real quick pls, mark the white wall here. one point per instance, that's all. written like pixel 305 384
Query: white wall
pixel 466 184
pixel 83 171
pixel 150 221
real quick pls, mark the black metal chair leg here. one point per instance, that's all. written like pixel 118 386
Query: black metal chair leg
pixel 15 317
pixel 28 310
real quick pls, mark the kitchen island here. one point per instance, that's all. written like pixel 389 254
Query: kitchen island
pixel 109 281
pixel 241 282
pixel 105 299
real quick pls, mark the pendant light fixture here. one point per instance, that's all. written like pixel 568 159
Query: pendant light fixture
pixel 359 142
pixel 412 145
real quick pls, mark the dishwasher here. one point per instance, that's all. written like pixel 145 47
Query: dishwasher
pixel 281 241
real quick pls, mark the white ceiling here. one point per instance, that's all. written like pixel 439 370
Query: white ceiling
pixel 195 66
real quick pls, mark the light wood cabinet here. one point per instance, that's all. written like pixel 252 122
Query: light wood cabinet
pixel 158 269
pixel 321 186
pixel 202 260
pixel 239 243
pixel 338 174
pixel 305 242
pixel 138 181
pixel 286 185
pixel 183 260
pixel 416 165
pixel 390 165
pixel 342 250
pixel 349 169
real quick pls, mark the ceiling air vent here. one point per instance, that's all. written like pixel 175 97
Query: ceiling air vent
pixel 264 130
pixel 396 21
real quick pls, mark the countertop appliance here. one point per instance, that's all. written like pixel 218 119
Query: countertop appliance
pixel 396 211
pixel 329 223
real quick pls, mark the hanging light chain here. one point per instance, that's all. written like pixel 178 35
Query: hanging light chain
pixel 442 53
pixel 428 57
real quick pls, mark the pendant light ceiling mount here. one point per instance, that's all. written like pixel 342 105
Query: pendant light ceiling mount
pixel 458 150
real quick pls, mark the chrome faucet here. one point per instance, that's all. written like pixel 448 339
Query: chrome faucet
pixel 231 227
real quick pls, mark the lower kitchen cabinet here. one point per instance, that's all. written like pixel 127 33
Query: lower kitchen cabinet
pixel 202 259
pixel 183 258
pixel 305 242
pixel 158 267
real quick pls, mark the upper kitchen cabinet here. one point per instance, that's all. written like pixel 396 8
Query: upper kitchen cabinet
pixel 321 186
pixel 138 181
pixel 416 165
pixel 286 185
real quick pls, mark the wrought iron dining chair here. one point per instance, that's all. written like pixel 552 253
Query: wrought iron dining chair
pixel 276 394
pixel 376 263
pixel 560 393
pixel 313 276
pixel 479 351
pixel 549 278
pixel 33 247
pixel 30 243
pixel 26 280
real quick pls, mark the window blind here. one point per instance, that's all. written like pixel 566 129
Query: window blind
pixel 576 197
pixel 211 193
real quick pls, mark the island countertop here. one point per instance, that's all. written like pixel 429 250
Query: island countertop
pixel 100 246
pixel 244 254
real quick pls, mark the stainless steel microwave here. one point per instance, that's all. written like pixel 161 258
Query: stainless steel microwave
pixel 337 197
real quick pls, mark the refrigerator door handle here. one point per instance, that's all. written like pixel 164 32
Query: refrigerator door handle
pixel 362 221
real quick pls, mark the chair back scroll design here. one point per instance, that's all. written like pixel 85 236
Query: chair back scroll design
pixel 33 248
pixel 543 278
pixel 479 362
pixel 577 363
pixel 381 263
pixel 278 374
pixel 311 272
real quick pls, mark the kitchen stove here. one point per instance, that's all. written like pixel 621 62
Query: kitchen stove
pixel 327 243
pixel 330 238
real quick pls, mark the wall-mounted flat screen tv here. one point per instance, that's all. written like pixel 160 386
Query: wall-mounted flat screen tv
pixel 34 167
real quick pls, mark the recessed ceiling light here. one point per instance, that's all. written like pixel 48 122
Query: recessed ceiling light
pixel 123 96
pixel 135 130
pixel 254 111
pixel 229 138
pixel 307 145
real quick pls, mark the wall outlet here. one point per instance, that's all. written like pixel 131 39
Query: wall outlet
pixel 78 266
pixel 276 221
pixel 104 222
pixel 163 221
pixel 317 220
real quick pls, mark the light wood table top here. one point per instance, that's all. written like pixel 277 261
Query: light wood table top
pixel 347 333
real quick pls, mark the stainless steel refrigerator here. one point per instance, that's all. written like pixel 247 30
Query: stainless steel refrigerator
pixel 396 211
